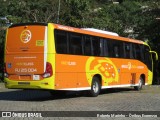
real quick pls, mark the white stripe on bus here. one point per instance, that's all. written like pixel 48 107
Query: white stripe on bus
pixel 103 87
pixel 45 47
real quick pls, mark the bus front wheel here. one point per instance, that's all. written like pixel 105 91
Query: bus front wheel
pixel 95 87
pixel 140 84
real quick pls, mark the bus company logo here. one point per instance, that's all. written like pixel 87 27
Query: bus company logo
pixel 26 36
pixel 127 66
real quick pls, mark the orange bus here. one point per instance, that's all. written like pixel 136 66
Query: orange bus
pixel 56 57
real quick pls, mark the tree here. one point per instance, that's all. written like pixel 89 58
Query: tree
pixel 76 13
pixel 19 11
pixel 40 11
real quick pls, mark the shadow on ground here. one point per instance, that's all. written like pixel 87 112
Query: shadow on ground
pixel 40 95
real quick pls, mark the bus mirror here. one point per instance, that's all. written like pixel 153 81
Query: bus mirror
pixel 155 53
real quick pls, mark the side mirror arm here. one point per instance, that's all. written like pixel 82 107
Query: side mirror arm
pixel 154 52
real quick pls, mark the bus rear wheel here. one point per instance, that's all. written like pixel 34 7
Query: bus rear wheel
pixel 140 84
pixel 95 87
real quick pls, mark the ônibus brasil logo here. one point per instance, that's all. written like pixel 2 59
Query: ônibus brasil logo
pixel 26 36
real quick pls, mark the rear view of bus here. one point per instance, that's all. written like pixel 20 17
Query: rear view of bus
pixel 26 64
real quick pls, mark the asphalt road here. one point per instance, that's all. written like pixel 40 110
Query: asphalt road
pixel 122 99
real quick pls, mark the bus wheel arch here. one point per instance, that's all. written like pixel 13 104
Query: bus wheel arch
pixel 96 85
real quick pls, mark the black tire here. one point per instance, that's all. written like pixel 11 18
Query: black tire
pixel 95 87
pixel 140 84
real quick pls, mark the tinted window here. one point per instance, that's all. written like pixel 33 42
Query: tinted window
pixel 115 49
pixel 110 48
pixel 133 51
pixel 118 49
pixel 105 47
pixel 87 45
pixel 96 46
pixel 79 44
pixel 127 50
pixel 61 42
pixel 75 44
pixel 138 52
pixel 147 57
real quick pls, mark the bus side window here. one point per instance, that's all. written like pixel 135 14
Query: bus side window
pixel 118 49
pixel 87 46
pixel 127 50
pixel 75 44
pixel 133 51
pixel 138 52
pixel 61 42
pixel 147 57
pixel 110 48
pixel 105 47
pixel 142 53
pixel 116 53
pixel 96 46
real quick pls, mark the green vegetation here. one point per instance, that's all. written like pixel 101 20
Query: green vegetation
pixel 139 19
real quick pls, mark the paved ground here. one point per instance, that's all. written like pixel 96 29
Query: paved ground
pixel 124 99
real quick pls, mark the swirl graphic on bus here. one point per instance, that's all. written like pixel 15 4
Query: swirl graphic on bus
pixel 25 36
pixel 104 67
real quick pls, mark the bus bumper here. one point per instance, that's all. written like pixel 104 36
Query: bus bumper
pixel 41 84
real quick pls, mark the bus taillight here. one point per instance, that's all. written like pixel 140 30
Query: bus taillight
pixel 48 72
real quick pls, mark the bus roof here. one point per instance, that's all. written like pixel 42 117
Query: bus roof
pixel 89 31
pixel 96 33
pixel 101 31
pixel 23 24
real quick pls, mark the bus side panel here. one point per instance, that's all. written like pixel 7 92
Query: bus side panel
pixel 130 70
pixel 51 55
pixel 68 69
pixel 76 73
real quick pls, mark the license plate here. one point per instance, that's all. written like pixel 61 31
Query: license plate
pixel 25 77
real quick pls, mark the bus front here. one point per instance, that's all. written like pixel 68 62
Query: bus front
pixel 26 57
